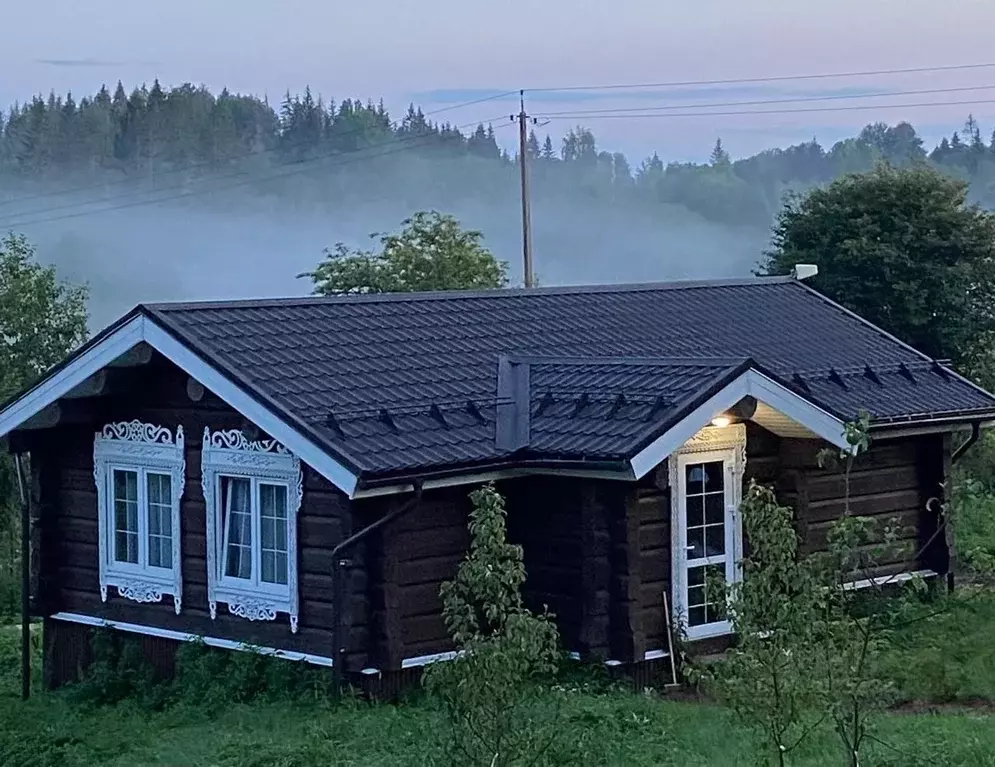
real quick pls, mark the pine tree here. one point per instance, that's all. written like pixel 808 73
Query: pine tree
pixel 532 146
pixel 719 156
pixel 548 153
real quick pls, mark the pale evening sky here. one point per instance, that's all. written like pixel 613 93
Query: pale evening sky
pixel 443 52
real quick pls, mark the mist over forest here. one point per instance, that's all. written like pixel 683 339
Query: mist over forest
pixel 179 194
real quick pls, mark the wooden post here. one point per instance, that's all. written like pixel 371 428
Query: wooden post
pixel 523 119
pixel 25 580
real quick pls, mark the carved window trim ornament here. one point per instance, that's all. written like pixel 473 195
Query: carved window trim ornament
pixel 713 443
pixel 142 448
pixel 230 454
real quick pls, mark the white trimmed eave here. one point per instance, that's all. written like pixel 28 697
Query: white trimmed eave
pixel 140 329
pixel 750 383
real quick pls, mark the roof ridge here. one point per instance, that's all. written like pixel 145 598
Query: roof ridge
pixel 450 295
pixel 620 360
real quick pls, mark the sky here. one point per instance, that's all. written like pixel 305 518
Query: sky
pixel 447 52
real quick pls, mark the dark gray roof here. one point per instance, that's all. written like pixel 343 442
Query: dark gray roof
pixel 406 382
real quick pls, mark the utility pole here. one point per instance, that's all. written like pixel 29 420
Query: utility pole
pixel 523 120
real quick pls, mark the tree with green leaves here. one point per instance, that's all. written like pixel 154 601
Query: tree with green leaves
pixel 494 692
pixel 41 321
pixel 902 248
pixel 41 318
pixel 431 252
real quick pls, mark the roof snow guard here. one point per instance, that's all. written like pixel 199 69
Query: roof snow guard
pixel 370 390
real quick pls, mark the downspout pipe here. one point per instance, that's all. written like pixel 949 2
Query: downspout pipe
pixel 339 564
pixel 25 580
pixel 975 434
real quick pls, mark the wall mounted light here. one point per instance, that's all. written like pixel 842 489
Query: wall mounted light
pixel 721 421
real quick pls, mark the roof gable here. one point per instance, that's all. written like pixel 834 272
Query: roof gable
pixel 137 328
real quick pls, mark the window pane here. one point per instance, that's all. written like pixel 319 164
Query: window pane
pixel 126 516
pixel 696 616
pixel 694 511
pixel 268 566
pixel 696 595
pixel 273 501
pixel 236 493
pixel 714 477
pixel 159 495
pixel 281 568
pixel 696 543
pixel 696 576
pixel 273 533
pixel 715 508
pixel 695 476
pixel 715 540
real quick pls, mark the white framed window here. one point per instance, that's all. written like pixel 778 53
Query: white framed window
pixel 252 491
pixel 139 470
pixel 706 488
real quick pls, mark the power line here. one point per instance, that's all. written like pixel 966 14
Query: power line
pixel 428 141
pixel 249 155
pixel 793 100
pixel 772 79
pixel 602 116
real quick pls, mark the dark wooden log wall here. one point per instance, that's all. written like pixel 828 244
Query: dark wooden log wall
pixel 65 494
pixel 545 519
pixel 413 556
pixel 891 484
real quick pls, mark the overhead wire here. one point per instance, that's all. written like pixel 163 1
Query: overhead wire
pixel 264 178
pixel 768 79
pixel 594 115
pixel 761 102
pixel 247 156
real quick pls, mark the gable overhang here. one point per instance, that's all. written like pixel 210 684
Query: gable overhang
pixel 137 328
pixel 749 383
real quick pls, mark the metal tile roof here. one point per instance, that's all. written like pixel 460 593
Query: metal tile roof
pixel 409 381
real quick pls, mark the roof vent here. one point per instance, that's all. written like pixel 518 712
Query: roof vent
pixel 804 271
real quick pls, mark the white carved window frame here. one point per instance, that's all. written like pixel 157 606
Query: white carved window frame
pixel 139 447
pixel 709 440
pixel 230 454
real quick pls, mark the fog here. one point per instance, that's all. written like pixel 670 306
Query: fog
pixel 235 245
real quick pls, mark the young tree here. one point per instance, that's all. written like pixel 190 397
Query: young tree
pixel 432 252
pixel 492 690
pixel 767 678
pixel 903 249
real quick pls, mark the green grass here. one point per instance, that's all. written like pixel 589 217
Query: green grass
pixel 603 727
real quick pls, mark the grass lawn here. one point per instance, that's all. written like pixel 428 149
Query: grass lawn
pixel 947 660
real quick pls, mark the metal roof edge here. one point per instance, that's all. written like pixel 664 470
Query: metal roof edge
pixel 891 337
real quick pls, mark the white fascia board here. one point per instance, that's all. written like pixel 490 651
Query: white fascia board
pixel 750 383
pixel 142 329
pixel 184 636
pixel 72 375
